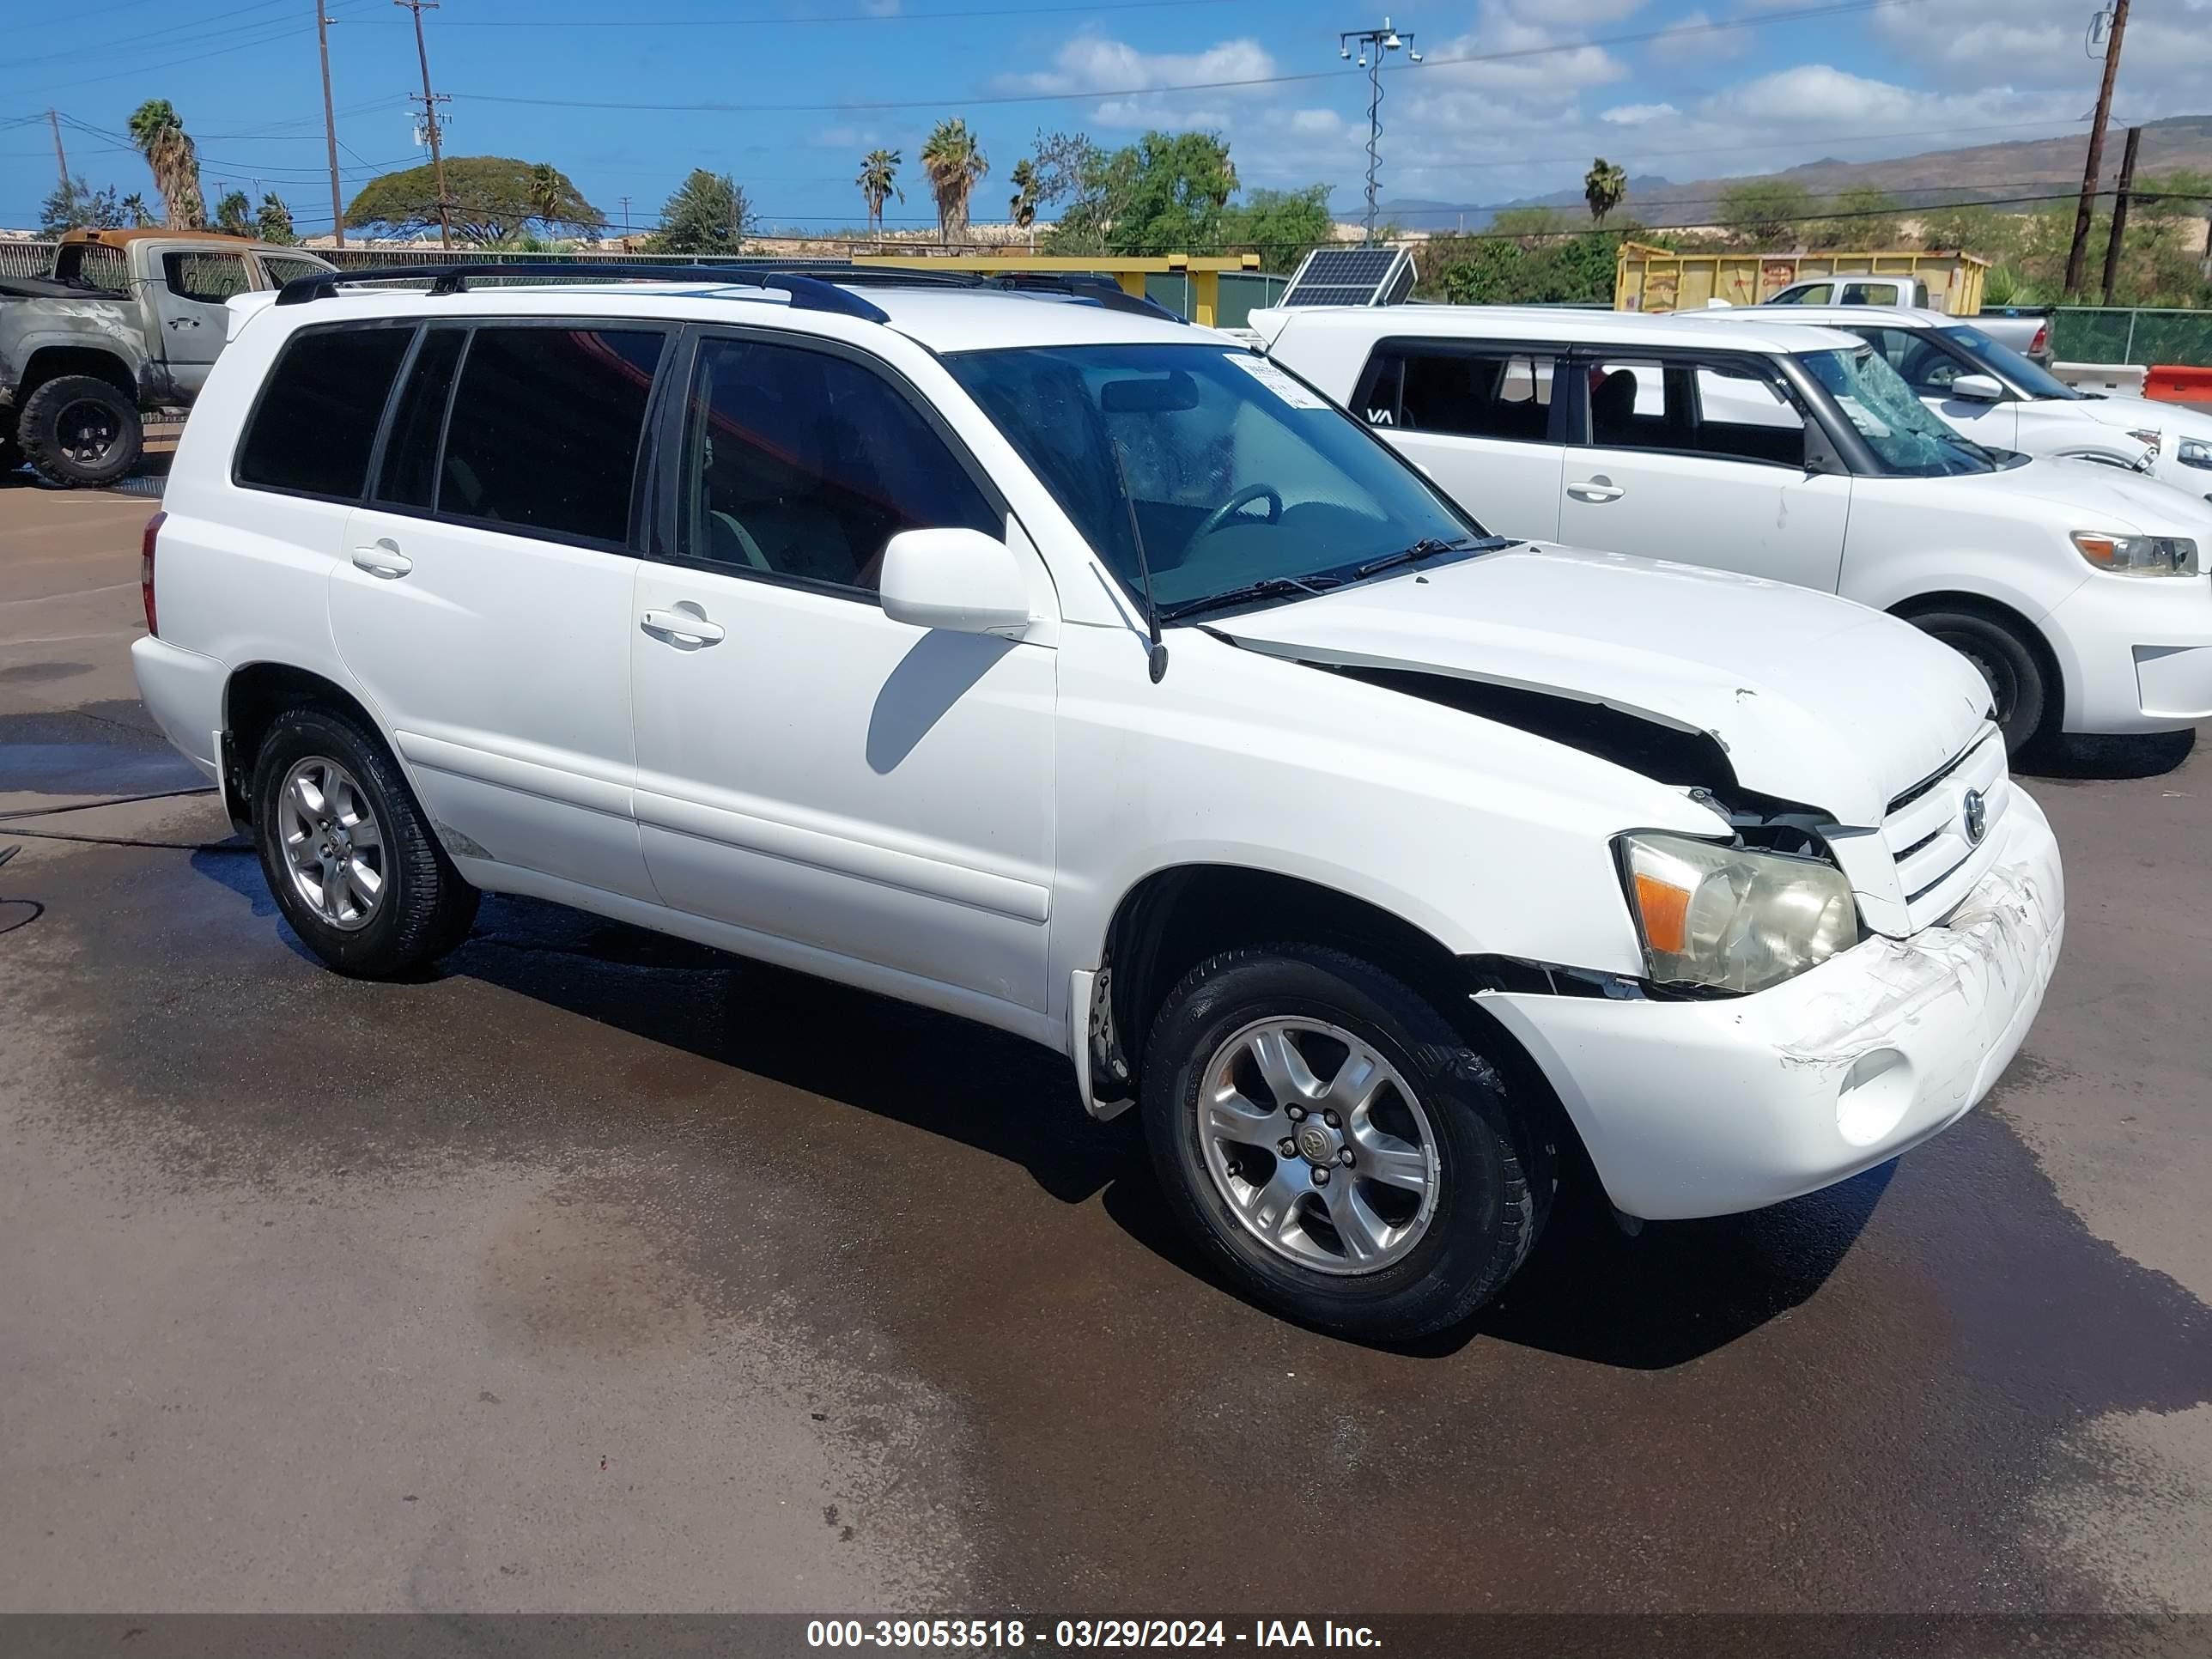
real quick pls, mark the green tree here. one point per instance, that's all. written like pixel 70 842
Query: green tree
pixel 1605 187
pixel 159 133
pixel 878 183
pixel 709 214
pixel 234 214
pixel 1064 162
pixel 1022 207
pixel 136 214
pixel 493 197
pixel 1529 222
pixel 956 164
pixel 1764 212
pixel 274 221
pixel 1973 229
pixel 76 205
pixel 1863 216
pixel 1279 225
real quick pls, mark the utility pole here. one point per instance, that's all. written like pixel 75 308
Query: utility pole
pixel 61 161
pixel 430 102
pixel 2093 167
pixel 330 124
pixel 1374 44
pixel 2120 211
pixel 625 201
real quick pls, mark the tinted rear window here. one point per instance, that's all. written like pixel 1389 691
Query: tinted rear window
pixel 545 428
pixel 410 453
pixel 318 417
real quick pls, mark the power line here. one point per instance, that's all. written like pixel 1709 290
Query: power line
pixel 626 22
pixel 1713 26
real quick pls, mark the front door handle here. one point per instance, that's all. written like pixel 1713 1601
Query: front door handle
pixel 184 322
pixel 1600 489
pixel 383 558
pixel 686 627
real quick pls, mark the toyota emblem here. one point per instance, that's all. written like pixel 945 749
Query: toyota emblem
pixel 1977 818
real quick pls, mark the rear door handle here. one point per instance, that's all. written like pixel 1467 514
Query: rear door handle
pixel 1596 489
pixel 383 558
pixel 686 627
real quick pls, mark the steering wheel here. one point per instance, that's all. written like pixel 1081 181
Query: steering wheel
pixel 1243 498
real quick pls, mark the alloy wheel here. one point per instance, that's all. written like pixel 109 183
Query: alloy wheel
pixel 333 845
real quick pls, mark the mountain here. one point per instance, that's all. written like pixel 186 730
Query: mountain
pixel 2030 166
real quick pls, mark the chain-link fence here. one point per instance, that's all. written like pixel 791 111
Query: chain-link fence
pixel 2126 334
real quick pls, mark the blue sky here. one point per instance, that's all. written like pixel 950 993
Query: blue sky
pixel 1514 98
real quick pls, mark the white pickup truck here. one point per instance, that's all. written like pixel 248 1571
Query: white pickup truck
pixel 2029 335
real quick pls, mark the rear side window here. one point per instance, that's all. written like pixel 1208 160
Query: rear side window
pixel 545 428
pixel 281 268
pixel 316 423
pixel 1724 412
pixel 1468 394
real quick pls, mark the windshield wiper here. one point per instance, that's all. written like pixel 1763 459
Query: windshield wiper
pixel 1267 587
pixel 1427 547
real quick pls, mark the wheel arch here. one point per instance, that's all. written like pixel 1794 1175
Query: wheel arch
pixel 53 362
pixel 1176 917
pixel 252 698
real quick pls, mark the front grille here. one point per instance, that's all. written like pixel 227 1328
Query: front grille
pixel 1926 830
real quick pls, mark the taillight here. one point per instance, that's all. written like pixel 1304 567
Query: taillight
pixel 146 570
pixel 2041 340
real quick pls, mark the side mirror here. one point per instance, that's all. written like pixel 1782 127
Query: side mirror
pixel 1978 389
pixel 962 580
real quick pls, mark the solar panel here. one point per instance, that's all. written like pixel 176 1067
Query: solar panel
pixel 1352 277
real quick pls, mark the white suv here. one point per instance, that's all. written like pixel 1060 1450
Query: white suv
pixel 1741 440
pixel 1084 674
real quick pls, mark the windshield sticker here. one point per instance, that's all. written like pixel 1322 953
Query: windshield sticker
pixel 1297 396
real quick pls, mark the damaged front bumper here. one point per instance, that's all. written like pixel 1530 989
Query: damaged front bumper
pixel 1708 1108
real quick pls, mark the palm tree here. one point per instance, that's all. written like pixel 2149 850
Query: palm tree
pixel 547 193
pixel 1605 186
pixel 134 209
pixel 1022 205
pixel 275 220
pixel 955 165
pixel 878 182
pixel 159 132
pixel 234 215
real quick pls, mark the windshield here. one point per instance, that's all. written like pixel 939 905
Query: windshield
pixel 1906 437
pixel 2007 364
pixel 1239 474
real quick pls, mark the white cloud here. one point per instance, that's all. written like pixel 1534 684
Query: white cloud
pixel 1091 63
pixel 1636 115
pixel 1316 123
pixel 1692 38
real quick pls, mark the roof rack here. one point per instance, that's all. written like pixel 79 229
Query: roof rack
pixel 1098 290
pixel 807 293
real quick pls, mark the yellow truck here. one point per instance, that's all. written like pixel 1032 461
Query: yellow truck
pixel 1650 279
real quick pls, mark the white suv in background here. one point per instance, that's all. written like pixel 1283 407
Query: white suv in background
pixel 1747 440
pixel 1997 397
pixel 1073 670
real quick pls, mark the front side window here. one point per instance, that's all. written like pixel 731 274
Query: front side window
pixel 411 449
pixel 546 427
pixel 1722 409
pixel 1467 394
pixel 316 423
pixel 1992 357
pixel 1234 472
pixel 1813 294
pixel 804 464
pixel 208 278
pixel 1908 439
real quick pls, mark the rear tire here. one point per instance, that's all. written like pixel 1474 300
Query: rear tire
pixel 347 852
pixel 2022 689
pixel 1398 1216
pixel 81 433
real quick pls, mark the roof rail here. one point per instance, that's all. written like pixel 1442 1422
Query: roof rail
pixel 1082 285
pixel 807 293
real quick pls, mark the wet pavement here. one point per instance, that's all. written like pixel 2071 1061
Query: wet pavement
pixel 602 1272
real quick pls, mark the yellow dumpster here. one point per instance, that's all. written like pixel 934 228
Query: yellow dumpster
pixel 1650 279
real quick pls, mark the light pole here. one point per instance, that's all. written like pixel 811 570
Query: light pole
pixel 1374 44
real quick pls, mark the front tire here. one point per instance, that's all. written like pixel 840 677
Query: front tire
pixel 2021 690
pixel 81 433
pixel 1335 1147
pixel 347 852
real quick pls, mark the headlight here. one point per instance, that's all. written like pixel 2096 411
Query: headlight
pixel 2138 556
pixel 1731 918
pixel 2193 451
pixel 2149 440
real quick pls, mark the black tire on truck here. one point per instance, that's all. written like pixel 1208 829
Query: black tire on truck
pixel 81 433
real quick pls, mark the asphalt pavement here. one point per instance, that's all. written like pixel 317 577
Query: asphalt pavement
pixel 600 1272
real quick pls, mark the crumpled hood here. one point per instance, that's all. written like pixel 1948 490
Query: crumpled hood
pixel 1815 699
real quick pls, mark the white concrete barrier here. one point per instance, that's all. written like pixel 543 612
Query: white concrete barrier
pixel 2125 379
